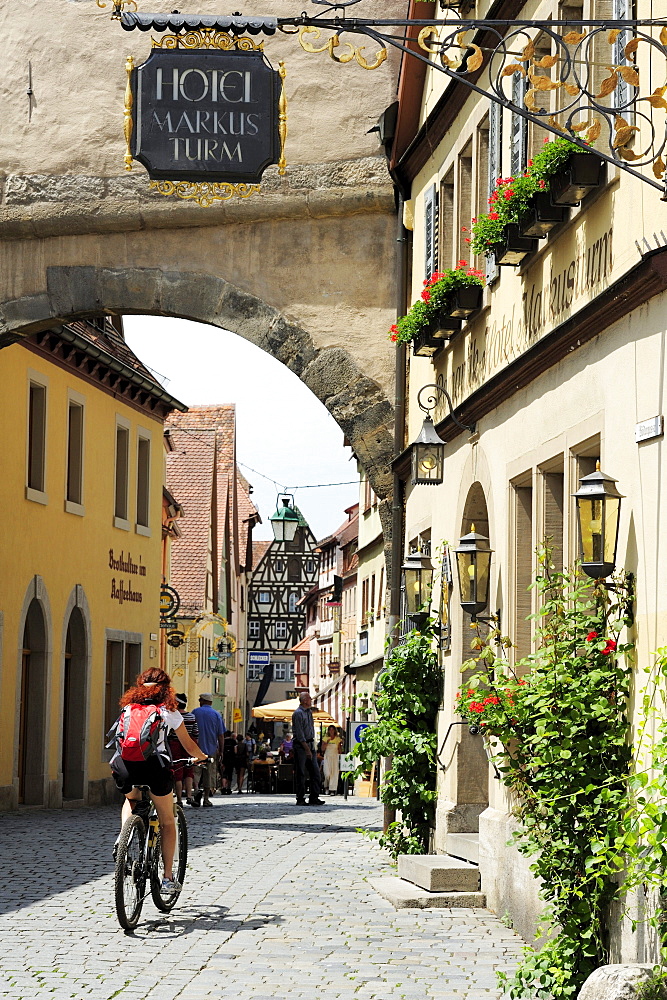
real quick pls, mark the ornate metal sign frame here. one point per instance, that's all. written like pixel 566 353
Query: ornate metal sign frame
pixel 203 193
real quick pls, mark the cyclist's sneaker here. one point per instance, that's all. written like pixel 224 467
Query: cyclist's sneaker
pixel 170 885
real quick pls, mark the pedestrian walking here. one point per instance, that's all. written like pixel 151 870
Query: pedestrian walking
pixel 211 737
pixel 228 762
pixel 183 773
pixel 305 758
pixel 333 747
pixel 241 762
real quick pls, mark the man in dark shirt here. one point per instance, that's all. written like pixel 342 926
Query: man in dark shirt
pixel 305 758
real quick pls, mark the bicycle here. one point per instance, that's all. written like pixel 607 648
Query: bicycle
pixel 139 859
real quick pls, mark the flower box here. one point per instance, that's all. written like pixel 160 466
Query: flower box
pixel 542 216
pixel 465 301
pixel 431 337
pixel 581 175
pixel 425 345
pixel 514 247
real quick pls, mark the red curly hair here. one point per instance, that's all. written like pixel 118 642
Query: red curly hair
pixel 152 687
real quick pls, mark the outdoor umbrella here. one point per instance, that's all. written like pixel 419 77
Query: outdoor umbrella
pixel 281 711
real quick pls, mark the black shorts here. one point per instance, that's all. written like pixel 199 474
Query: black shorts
pixel 149 772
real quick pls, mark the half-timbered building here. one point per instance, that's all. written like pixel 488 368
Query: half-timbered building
pixel 283 574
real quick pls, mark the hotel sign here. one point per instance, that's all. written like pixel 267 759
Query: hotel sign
pixel 207 116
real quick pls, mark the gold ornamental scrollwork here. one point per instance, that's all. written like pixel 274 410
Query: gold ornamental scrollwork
pixel 207 38
pixel 204 194
pixel 127 112
pixel 332 44
pixel 118 6
pixel 282 119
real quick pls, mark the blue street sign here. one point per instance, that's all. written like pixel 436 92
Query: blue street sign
pixel 358 731
pixel 261 659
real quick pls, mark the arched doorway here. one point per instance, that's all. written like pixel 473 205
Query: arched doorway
pixel 32 708
pixel 472 766
pixel 74 707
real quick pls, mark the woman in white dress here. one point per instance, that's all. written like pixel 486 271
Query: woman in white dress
pixel 333 747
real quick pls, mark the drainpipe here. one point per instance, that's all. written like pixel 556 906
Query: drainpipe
pixel 399 436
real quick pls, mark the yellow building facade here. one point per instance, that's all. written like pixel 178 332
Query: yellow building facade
pixel 82 475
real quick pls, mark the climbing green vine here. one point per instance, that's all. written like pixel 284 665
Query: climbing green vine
pixel 406 705
pixel 557 727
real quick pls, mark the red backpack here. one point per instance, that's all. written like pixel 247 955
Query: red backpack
pixel 136 733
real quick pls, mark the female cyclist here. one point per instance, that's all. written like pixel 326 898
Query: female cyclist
pixel 153 687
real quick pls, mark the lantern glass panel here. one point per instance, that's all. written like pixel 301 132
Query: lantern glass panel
pixel 483 566
pixel 611 517
pixel 598 518
pixel 466 561
pixel 427 464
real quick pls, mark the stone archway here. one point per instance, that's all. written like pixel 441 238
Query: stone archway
pixel 358 402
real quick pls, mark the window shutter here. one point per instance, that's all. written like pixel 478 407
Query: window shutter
pixel 430 231
pixel 622 11
pixel 495 169
pixel 519 127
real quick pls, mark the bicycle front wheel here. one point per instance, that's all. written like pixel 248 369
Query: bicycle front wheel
pixel 166 901
pixel 130 877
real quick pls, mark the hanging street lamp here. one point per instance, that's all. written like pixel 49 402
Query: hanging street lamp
pixel 428 450
pixel 285 521
pixel 473 559
pixel 598 514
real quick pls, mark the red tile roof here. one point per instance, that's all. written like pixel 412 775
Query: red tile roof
pixel 204 437
pixel 258 550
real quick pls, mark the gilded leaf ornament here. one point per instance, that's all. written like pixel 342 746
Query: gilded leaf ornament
pixel 204 194
pixel 333 43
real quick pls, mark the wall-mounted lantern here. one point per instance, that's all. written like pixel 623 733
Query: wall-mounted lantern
pixel 428 451
pixel 598 513
pixel 473 560
pixel 418 583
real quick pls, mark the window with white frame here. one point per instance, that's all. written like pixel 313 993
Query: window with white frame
pixel 36 455
pixel 280 671
pixel 253 629
pixel 143 480
pixel 280 630
pixel 74 480
pixel 264 597
pixel 255 671
pixel 291 601
pixel 122 473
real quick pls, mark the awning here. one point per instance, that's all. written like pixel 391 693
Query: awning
pixel 237 24
pixel 336 699
pixel 281 711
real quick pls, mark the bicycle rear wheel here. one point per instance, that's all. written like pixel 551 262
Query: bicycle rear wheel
pixel 130 877
pixel 167 901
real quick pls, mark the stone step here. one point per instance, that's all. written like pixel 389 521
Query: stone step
pixel 438 872
pixel 402 895
pixel 463 845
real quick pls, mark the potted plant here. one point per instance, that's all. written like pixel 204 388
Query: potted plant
pixel 497 233
pixel 525 208
pixel 447 298
pixel 569 171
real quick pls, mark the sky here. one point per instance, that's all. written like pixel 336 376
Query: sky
pixel 282 429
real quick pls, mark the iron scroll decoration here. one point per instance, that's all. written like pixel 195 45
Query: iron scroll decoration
pixel 615 110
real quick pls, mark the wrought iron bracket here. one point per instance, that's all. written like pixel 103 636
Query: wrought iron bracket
pixel 510 52
pixel 625 591
pixel 432 400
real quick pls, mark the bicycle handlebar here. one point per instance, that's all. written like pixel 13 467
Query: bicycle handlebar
pixel 194 760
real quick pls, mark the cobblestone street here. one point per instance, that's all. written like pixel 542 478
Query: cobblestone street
pixel 275 907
